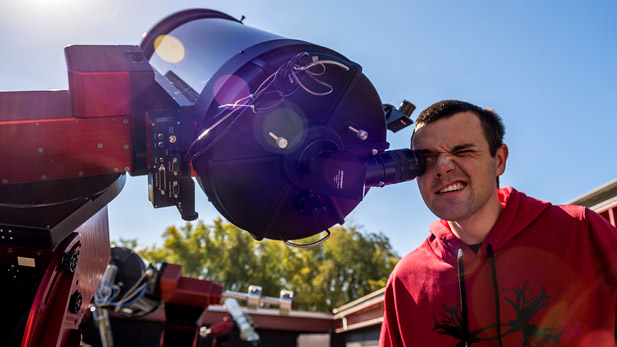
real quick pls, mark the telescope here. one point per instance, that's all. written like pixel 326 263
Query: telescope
pixel 283 136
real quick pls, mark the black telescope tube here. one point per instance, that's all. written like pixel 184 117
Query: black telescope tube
pixel 393 167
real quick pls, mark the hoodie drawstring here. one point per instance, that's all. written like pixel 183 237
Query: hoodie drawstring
pixel 461 285
pixel 463 292
pixel 491 257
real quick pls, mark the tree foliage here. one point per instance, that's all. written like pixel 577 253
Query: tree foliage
pixel 349 265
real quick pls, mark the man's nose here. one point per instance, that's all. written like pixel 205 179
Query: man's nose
pixel 444 165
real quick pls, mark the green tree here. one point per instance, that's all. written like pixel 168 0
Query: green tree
pixel 349 265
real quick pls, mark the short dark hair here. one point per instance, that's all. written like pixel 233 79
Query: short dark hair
pixel 492 124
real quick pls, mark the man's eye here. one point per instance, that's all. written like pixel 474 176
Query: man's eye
pixel 463 152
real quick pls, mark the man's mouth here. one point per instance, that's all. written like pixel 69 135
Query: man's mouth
pixel 452 187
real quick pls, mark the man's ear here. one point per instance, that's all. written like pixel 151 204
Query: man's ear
pixel 501 157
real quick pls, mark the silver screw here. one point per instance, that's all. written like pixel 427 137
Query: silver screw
pixel 125 121
pixel 43 177
pixel 362 135
pixel 280 141
pixel 100 145
pixel 204 331
pixel 126 168
pixel 5 181
pixel 126 146
pixel 40 150
pixel 80 173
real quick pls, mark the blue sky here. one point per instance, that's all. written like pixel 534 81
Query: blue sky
pixel 547 67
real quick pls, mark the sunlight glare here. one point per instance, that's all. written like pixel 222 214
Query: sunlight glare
pixel 169 48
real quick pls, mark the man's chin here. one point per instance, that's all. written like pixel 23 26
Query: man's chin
pixel 450 215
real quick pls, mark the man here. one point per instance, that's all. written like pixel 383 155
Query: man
pixel 499 268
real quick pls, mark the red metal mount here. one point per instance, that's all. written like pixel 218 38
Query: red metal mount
pixel 68 285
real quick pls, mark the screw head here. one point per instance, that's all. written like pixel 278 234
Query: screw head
pixel 362 135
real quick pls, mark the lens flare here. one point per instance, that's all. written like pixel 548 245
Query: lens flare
pixel 169 48
pixel 231 91
pixel 282 126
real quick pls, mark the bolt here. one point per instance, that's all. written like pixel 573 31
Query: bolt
pixel 126 146
pixel 280 141
pixel 204 332
pixel 362 135
pixel 100 145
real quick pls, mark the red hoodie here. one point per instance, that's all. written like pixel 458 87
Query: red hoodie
pixel 544 276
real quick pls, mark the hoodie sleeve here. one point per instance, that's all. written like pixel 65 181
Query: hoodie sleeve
pixel 390 335
pixel 603 238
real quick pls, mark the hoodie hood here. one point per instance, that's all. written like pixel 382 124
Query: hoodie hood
pixel 519 212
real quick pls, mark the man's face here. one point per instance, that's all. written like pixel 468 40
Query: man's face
pixel 460 178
